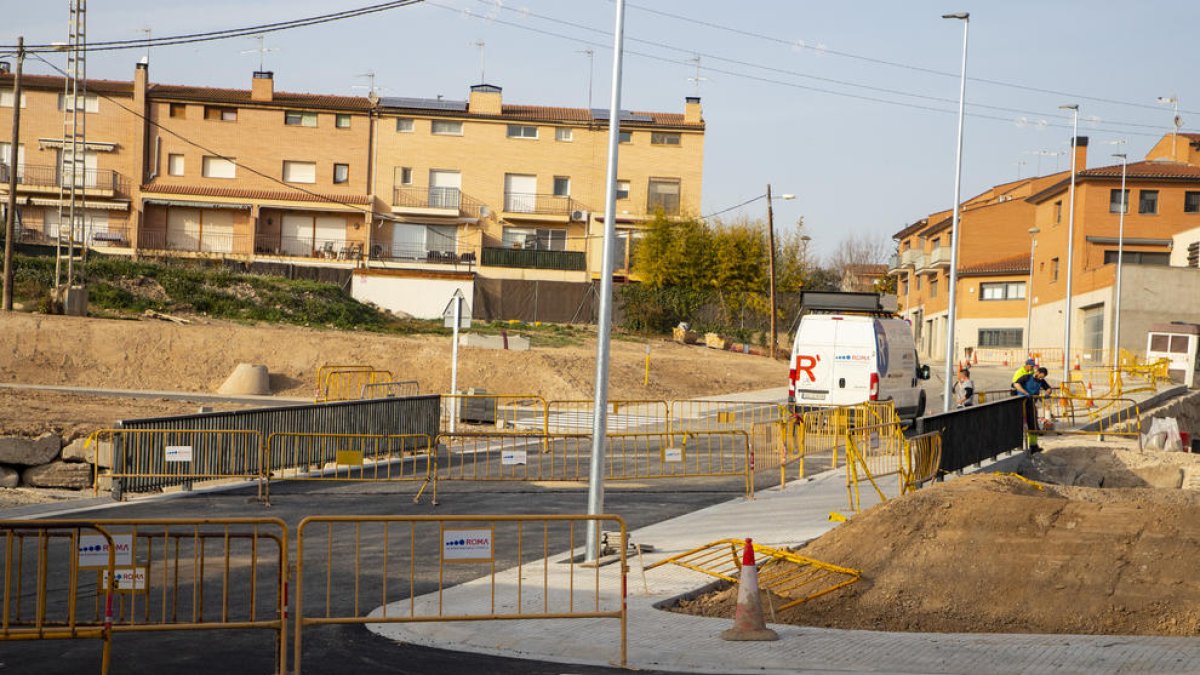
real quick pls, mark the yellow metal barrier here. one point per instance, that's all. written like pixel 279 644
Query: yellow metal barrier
pixel 520 413
pixel 350 457
pixel 371 569
pixel 397 389
pixel 347 384
pixel 567 457
pixel 922 458
pixel 704 415
pixel 151 459
pixel 780 571
pixel 324 371
pixel 47 573
pixel 1099 416
pixel 576 415
pixel 823 430
pixel 874 451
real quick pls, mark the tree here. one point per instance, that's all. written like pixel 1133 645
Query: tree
pixel 854 259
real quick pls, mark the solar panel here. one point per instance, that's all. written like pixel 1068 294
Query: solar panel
pixel 423 103
pixel 625 116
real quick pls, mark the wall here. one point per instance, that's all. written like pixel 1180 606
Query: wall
pixel 1179 248
pixel 418 296
pixel 1154 294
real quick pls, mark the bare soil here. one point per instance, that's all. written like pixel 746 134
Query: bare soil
pixel 996 554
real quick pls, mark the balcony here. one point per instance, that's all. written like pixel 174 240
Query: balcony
pixel 321 248
pixel 418 253
pixel 48 179
pixel 517 203
pixel 434 201
pixel 894 264
pixel 939 257
pixel 530 258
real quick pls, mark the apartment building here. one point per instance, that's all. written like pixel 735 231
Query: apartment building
pixel 420 197
pixel 1013 257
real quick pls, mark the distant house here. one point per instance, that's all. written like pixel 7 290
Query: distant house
pixel 862 278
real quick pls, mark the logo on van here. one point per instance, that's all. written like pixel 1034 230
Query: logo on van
pixel 881 349
pixel 805 364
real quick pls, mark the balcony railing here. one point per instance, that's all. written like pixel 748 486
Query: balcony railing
pixel 45 177
pixel 322 248
pixel 894 261
pixel 939 256
pixel 529 258
pixel 446 198
pixel 424 254
pixel 540 204
pixel 194 242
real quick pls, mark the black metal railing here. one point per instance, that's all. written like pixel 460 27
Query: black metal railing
pixel 976 433
pixel 534 259
pixel 308 247
pixel 436 198
pixel 540 204
pixel 43 176
pixel 451 255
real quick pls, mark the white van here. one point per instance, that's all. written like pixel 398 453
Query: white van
pixel 845 358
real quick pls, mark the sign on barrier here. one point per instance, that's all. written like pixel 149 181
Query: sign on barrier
pixel 383 569
pixel 350 457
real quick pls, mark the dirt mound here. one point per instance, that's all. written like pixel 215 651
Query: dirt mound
pixel 996 554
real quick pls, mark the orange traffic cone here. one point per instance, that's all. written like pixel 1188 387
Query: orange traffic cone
pixel 748 622
pixel 1076 362
pixel 1090 402
pixel 975 357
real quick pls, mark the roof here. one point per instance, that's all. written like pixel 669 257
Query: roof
pixel 55 82
pixel 240 193
pixel 1145 170
pixel 242 97
pixel 1017 264
pixel 867 270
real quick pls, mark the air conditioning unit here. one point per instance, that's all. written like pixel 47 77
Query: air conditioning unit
pixel 579 216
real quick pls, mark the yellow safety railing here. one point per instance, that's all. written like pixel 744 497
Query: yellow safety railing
pixel 45 584
pixel 324 371
pixel 348 566
pixel 1061 415
pixel 824 430
pixel 922 459
pixel 350 457
pixel 519 413
pixel 781 572
pixel 346 384
pixel 706 415
pixel 877 450
pixel 397 389
pixel 150 459
pixel 623 415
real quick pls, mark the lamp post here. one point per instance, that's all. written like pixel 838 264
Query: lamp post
pixel 1074 108
pixel 1033 233
pixel 950 312
pixel 771 261
pixel 1116 341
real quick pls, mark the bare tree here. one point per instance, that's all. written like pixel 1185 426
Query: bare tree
pixel 858 259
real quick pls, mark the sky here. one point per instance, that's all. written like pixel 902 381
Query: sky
pixel 851 106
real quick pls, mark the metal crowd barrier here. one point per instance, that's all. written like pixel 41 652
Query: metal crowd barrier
pixel 398 389
pixel 922 458
pixel 520 413
pixel 623 415
pixel 877 450
pixel 346 384
pixel 151 459
pixel 48 573
pixel 350 458
pixel 348 566
pixel 1103 417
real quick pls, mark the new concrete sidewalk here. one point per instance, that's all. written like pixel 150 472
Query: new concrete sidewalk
pixel 675 642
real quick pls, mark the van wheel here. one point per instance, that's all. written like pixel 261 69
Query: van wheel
pixel 921 404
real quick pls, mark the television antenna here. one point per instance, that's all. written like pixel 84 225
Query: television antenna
pixel 262 51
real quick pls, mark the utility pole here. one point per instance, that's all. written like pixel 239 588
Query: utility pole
pixel 10 213
pixel 771 264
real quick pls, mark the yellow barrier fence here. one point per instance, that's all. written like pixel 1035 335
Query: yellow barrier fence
pixel 346 384
pixel 397 569
pixel 1060 415
pixel 922 459
pixel 821 432
pixel 152 459
pixel 350 458
pixel 519 413
pixel 397 389
pixel 874 451
pixel 567 457
pixel 324 371
pixel 44 582
pixel 576 415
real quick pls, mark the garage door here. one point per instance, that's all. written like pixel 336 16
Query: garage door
pixel 183 229
pixel 217 231
pixel 297 235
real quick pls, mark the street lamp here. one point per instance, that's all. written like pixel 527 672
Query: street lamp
pixel 1074 108
pixel 962 95
pixel 771 259
pixel 1116 341
pixel 1033 233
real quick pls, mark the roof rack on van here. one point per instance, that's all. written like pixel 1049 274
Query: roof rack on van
pixel 830 302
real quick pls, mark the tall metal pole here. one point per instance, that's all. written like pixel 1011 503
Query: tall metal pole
pixel 604 320
pixel 771 262
pixel 1033 233
pixel 10 213
pixel 1116 341
pixel 953 295
pixel 458 302
pixel 1074 107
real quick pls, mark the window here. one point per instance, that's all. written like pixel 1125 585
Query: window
pixel 1148 201
pixel 562 186
pixel 6 99
pixel 447 128
pixel 1001 290
pixel 300 172
pixel 564 134
pixel 175 164
pixel 663 138
pixel 625 137
pixel 538 240
pixel 1058 211
pixel 341 173
pixel 89 103
pixel 1191 202
pixel 177 110
pixel 294 118
pixel 218 167
pixel 1138 258
pixel 918 282
pixel 213 112
pixel 904 287
pixel 404 125
pixel 622 189
pixel 6 157
pixel 341 121
pixel 663 193
pixel 1116 198
pixel 1054 269
pixel 404 175
pixel 933 284
pixel 517 131
pixel 1001 337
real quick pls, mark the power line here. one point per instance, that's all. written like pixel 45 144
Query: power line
pixel 895 64
pixel 731 208
pixel 225 33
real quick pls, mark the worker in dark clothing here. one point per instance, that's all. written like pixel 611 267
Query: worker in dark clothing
pixel 1032 386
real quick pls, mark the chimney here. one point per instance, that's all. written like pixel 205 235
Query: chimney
pixel 691 110
pixel 141 75
pixel 1080 146
pixel 262 87
pixel 485 100
pixel 5 67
